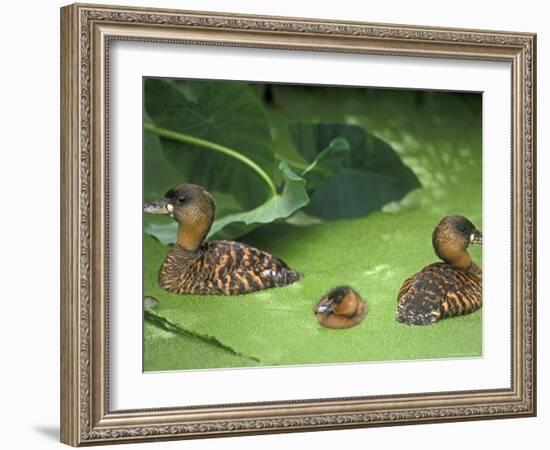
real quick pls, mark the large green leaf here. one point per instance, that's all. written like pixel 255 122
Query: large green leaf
pixel 352 184
pixel 283 205
pixel 159 172
pixel 224 113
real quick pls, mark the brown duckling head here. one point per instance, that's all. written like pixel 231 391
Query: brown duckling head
pixel 451 239
pixel 192 207
pixel 342 307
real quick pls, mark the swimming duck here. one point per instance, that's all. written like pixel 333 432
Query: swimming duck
pixel 342 307
pixel 448 288
pixel 214 267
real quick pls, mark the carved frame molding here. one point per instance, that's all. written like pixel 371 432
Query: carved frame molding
pixel 86 32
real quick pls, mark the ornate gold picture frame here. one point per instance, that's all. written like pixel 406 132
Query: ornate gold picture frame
pixel 87 32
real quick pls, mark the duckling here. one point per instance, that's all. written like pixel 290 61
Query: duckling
pixel 342 307
pixel 444 289
pixel 215 267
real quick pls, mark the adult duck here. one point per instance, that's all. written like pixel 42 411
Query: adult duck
pixel 194 266
pixel 444 289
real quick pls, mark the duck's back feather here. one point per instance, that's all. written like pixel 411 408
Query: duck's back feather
pixel 224 267
pixel 439 290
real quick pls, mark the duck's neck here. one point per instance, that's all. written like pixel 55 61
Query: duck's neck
pixel 190 236
pixel 184 252
pixel 462 260
pixel 452 252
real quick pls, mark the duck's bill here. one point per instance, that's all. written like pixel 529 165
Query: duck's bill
pixel 161 206
pixel 476 238
pixel 324 308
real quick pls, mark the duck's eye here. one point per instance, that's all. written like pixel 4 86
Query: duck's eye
pixel 181 199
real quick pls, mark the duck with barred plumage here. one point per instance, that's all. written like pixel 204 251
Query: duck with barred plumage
pixel 444 289
pixel 213 267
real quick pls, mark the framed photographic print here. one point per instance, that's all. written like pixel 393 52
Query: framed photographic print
pixel 275 224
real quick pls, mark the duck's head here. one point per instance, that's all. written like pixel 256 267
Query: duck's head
pixel 342 307
pixel 452 237
pixel 192 207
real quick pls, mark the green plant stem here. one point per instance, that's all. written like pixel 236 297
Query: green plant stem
pixel 315 161
pixel 186 139
pixel 295 164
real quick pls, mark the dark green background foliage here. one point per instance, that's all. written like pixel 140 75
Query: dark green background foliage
pixel 229 114
pixel 362 176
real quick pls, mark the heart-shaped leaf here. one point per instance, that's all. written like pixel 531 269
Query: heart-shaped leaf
pixel 371 176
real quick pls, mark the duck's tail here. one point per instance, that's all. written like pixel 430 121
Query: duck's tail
pixel 282 277
pixel 290 276
pixel 285 275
